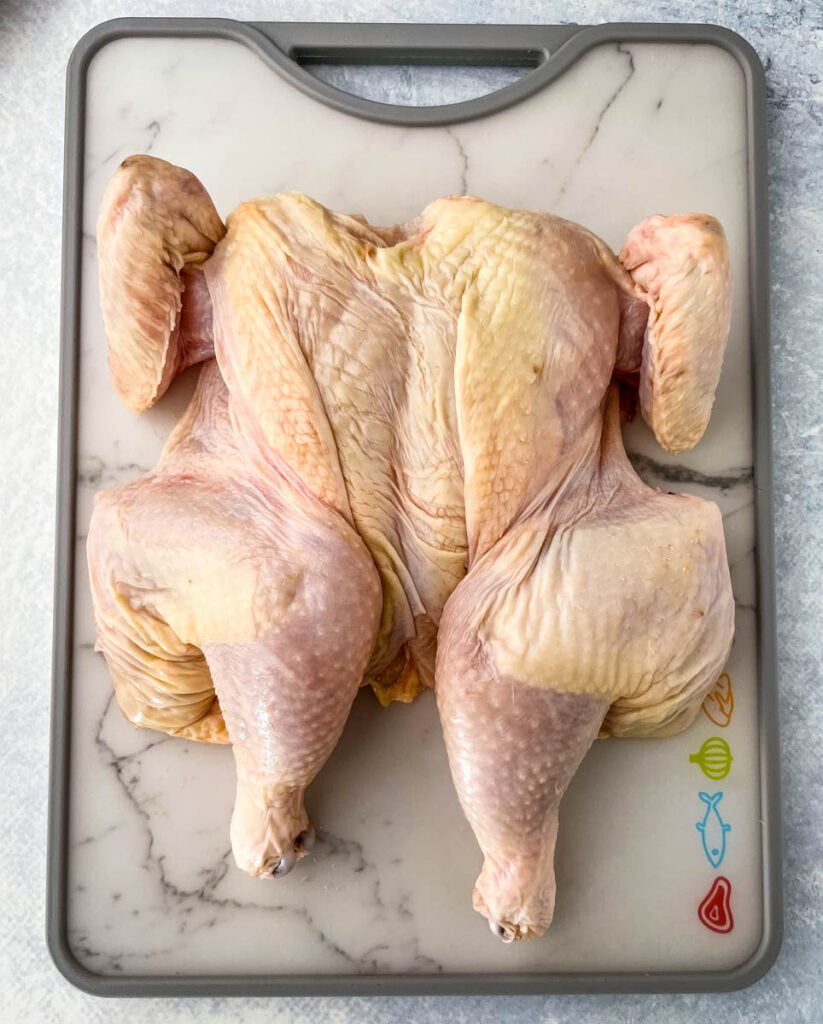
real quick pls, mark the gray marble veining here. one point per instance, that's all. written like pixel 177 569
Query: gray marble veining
pixel 36 39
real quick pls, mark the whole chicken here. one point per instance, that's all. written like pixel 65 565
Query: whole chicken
pixel 403 466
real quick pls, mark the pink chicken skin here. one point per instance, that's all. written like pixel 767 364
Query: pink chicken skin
pixel 403 466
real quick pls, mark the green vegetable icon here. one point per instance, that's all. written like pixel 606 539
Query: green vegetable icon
pixel 714 757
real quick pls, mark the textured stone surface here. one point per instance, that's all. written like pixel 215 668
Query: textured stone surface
pixel 35 41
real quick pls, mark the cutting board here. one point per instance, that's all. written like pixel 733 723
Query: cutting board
pixel 662 883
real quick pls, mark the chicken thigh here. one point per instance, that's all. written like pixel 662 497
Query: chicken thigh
pixel 404 467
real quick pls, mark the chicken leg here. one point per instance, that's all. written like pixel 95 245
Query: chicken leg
pixel 606 611
pixel 203 554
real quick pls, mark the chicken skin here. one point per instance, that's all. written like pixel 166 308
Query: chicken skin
pixel 403 466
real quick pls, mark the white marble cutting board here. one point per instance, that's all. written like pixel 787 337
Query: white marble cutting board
pixel 628 131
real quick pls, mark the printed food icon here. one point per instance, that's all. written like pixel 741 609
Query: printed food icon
pixel 719 702
pixel 713 829
pixel 715 911
pixel 714 757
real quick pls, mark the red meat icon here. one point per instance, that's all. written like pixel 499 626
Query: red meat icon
pixel 715 911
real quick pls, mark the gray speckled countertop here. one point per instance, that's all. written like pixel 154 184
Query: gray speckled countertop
pixel 35 41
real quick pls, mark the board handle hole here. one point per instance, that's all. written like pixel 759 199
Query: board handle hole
pixel 421 84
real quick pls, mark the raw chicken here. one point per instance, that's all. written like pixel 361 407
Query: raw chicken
pixel 216 574
pixel 428 411
pixel 156 233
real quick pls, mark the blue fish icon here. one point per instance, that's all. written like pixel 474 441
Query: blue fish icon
pixel 714 829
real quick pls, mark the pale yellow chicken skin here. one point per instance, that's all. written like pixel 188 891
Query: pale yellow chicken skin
pixel 405 468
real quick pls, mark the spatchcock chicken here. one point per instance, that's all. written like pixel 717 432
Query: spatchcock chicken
pixel 403 466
